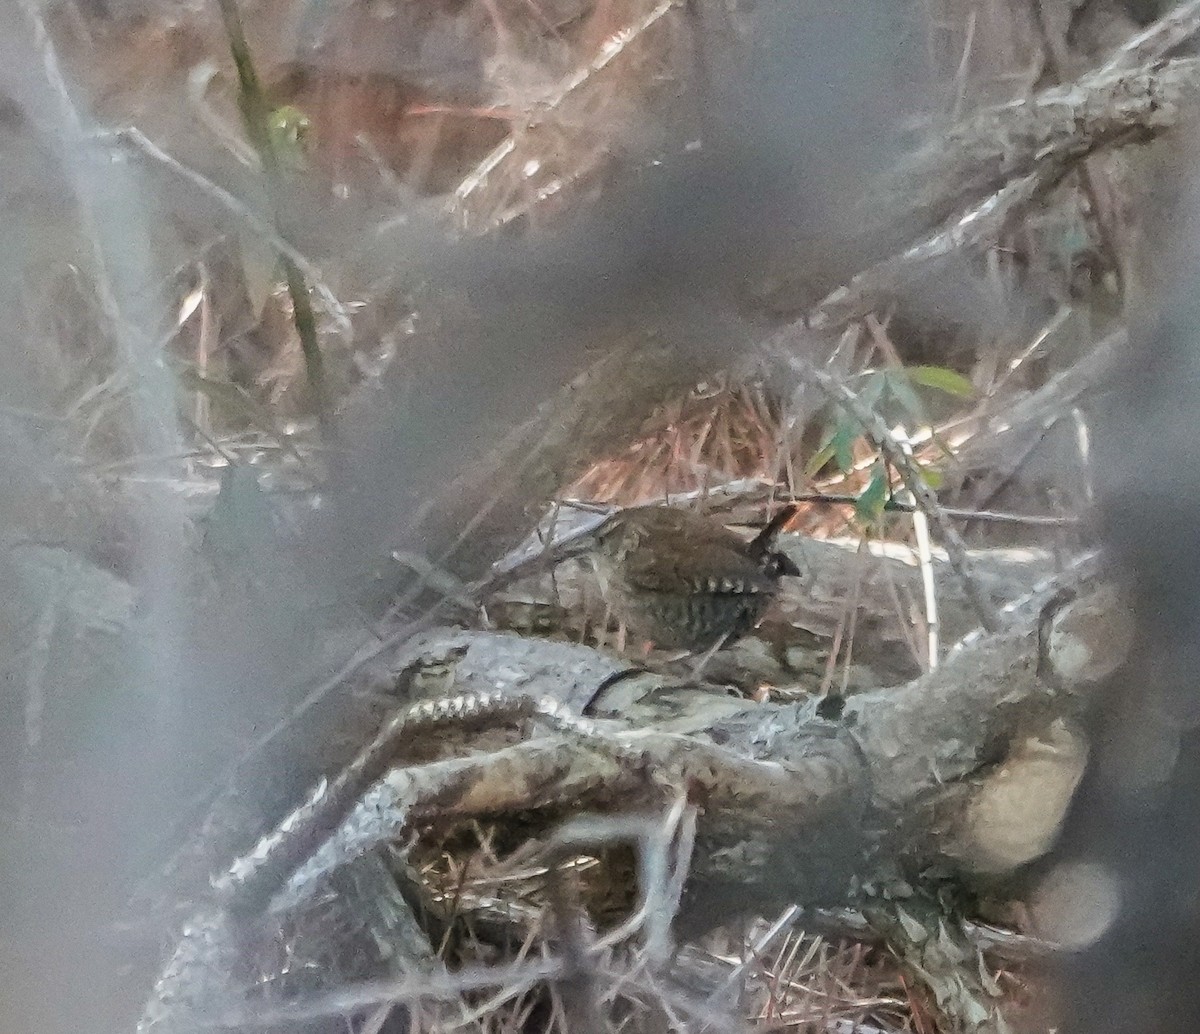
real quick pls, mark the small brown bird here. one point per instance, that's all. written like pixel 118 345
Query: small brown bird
pixel 684 580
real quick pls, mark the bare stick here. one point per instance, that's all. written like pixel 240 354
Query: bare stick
pixel 1036 520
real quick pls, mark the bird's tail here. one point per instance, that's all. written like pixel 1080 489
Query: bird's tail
pixel 763 541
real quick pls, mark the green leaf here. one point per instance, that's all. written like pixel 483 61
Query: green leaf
pixel 289 129
pixel 872 389
pixel 933 477
pixel 868 507
pixel 901 390
pixel 818 459
pixel 843 440
pixel 836 444
pixel 941 379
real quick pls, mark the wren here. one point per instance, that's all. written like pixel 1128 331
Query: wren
pixel 685 581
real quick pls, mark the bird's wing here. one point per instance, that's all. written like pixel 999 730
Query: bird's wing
pixel 712 567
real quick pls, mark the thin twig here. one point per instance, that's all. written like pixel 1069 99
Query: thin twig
pixel 791 915
pixel 1052 326
pixel 262 228
pixel 40 651
pixel 983 224
pixel 115 276
pixel 352 998
pixel 1036 520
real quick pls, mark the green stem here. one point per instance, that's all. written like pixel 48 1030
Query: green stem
pixel 256 111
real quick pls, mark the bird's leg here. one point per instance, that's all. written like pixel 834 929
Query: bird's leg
pixel 603 628
pixel 704 658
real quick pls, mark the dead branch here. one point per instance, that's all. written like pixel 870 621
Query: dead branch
pixel 948 770
pixel 1158 38
pixel 1051 130
pixel 977 178
pixel 985 172
pixel 818 600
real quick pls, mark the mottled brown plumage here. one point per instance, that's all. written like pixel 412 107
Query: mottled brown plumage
pixel 684 580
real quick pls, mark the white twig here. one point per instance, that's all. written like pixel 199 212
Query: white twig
pixel 925 557
pixel 785 922
pixel 40 651
pixel 120 267
pixel 1083 440
pixel 351 998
